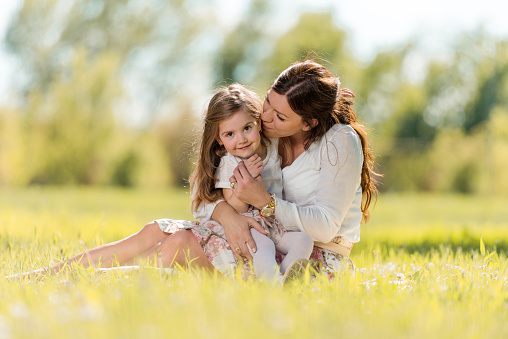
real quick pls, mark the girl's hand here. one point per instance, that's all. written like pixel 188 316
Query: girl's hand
pixel 249 189
pixel 237 229
pixel 254 165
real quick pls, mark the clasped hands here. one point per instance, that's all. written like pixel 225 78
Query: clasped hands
pixel 247 185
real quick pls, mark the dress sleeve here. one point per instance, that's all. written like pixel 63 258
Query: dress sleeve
pixel 204 212
pixel 337 189
pixel 225 170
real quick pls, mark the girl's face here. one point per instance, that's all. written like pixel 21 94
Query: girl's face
pixel 279 120
pixel 240 135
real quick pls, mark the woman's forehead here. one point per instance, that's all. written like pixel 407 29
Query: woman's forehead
pixel 279 103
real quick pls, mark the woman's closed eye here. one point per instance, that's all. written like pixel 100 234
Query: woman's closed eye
pixel 280 117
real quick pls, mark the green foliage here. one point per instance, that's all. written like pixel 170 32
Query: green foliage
pixel 177 138
pixel 150 39
pixel 75 60
pixel 314 32
pixel 241 47
pixel 71 122
pixel 87 66
pixel 125 170
pixel 13 153
pixel 441 131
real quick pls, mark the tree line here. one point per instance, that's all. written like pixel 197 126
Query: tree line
pixel 86 67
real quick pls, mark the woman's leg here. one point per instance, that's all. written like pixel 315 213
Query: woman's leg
pixel 180 248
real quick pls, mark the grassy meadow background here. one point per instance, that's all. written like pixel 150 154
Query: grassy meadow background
pixel 97 123
pixel 422 271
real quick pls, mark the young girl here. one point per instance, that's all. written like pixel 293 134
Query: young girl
pixel 232 134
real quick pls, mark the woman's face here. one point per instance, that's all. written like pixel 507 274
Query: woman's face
pixel 279 120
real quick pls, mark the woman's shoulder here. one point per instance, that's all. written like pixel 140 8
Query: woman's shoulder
pixel 341 141
pixel 341 134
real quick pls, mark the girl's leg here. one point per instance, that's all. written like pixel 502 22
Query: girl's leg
pixel 119 251
pixel 180 248
pixel 296 245
pixel 265 266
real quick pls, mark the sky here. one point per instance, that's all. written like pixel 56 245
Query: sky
pixel 372 25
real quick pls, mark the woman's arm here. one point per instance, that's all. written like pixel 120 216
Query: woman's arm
pixel 237 228
pixel 249 189
pixel 254 166
pixel 337 189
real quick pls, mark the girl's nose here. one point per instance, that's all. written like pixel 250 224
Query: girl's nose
pixel 242 137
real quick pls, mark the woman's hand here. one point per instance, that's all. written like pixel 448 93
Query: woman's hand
pixel 237 229
pixel 249 189
pixel 346 92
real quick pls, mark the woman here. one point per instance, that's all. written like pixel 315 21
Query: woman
pixel 327 167
pixel 327 170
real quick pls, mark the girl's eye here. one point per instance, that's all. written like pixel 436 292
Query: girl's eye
pixel 246 128
pixel 280 118
pixel 229 134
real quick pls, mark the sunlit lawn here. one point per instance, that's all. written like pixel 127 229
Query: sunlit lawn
pixel 421 273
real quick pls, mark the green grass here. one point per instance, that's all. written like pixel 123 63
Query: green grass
pixel 421 273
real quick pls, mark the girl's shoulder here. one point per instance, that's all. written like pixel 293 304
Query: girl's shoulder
pixel 228 163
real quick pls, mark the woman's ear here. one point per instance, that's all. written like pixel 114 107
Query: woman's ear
pixel 308 126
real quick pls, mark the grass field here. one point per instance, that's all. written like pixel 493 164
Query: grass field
pixel 427 266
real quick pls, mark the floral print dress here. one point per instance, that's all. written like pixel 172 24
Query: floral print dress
pixel 211 236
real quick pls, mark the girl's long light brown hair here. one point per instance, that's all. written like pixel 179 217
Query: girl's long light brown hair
pixel 226 102
pixel 314 93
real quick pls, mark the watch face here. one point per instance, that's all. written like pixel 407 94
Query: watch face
pixel 266 212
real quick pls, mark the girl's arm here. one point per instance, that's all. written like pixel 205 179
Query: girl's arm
pixel 254 166
pixel 233 201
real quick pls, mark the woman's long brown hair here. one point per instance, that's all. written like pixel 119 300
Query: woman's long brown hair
pixel 314 93
pixel 226 102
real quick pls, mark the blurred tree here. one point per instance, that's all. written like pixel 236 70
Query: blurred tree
pixel 152 40
pixel 243 46
pixel 69 123
pixel 316 36
pixel 12 150
pixel 177 137
pixel 254 54
pixel 491 87
pixel 378 83
pixel 463 91
pixel 79 60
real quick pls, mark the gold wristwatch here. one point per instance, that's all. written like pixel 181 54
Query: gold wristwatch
pixel 269 209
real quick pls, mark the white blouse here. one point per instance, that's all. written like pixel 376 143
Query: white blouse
pixel 321 189
pixel 322 193
pixel 271 173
